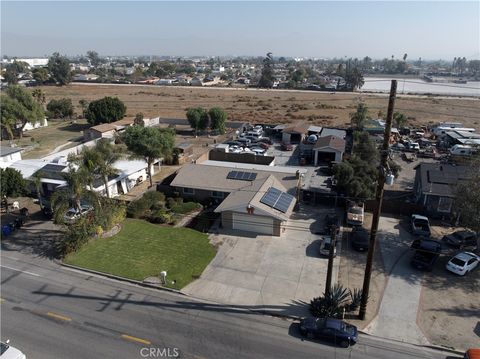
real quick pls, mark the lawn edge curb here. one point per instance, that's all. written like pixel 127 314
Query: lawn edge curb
pixel 122 279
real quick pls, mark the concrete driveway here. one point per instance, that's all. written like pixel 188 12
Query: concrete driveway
pixel 276 274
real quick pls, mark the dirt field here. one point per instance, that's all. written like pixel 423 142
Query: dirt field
pixel 272 106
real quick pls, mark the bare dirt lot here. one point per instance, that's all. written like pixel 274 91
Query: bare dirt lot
pixel 271 106
pixel 449 310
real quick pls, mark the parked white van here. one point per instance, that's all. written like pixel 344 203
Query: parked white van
pixel 461 150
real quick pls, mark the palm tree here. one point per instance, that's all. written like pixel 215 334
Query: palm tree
pixel 87 160
pixel 36 177
pixel 108 155
pixel 72 194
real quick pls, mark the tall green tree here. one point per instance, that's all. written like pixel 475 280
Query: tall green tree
pixel 94 58
pixel 198 119
pixel 467 199
pixel 83 105
pixel 359 117
pixel 149 143
pixel 19 106
pixel 40 75
pixel 12 183
pixel 354 78
pixel 105 110
pixel 399 119
pixel 11 75
pixel 268 76
pixel 72 195
pixel 138 121
pixel 39 96
pixel 108 155
pixel 59 68
pixel 61 108
pixel 218 116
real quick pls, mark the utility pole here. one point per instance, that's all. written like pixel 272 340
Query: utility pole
pixel 378 200
pixel 331 254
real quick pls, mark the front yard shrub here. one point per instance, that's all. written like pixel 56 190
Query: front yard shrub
pixel 154 198
pixel 186 207
pixel 338 301
pixel 160 216
pixel 174 201
pixel 137 209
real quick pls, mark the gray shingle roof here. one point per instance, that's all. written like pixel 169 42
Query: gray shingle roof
pixel 242 193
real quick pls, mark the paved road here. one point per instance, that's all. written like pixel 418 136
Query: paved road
pixel 52 312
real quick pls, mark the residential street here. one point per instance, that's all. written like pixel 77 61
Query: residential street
pixel 51 312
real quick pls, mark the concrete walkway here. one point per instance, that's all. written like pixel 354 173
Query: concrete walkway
pixel 278 275
pixel 397 316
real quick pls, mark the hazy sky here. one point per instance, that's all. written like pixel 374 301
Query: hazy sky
pixel 430 29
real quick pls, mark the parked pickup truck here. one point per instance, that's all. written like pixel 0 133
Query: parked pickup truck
pixel 420 225
pixel 355 213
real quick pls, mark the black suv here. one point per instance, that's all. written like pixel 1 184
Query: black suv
pixel 426 254
pixel 360 238
pixel 461 239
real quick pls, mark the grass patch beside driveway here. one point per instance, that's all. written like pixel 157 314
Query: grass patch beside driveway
pixel 142 249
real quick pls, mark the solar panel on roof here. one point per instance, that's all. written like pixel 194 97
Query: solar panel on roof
pixel 242 176
pixel 283 202
pixel 232 174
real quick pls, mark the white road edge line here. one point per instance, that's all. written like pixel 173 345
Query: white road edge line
pixel 23 271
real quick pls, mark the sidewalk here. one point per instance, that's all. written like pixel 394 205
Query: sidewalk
pixel 397 316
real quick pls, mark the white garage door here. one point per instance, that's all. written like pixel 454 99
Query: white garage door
pixel 253 223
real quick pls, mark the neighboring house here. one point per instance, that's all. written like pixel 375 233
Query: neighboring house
pixel 104 130
pixel 294 133
pixel 10 154
pixel 456 137
pixel 250 200
pixel 196 81
pixel 329 148
pixel 165 82
pixel 85 77
pixel 107 130
pixel 435 184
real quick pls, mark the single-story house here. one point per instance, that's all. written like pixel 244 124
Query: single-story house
pixel 85 77
pixel 107 130
pixel 295 133
pixel 455 137
pixel 434 186
pixel 10 154
pixel 250 200
pixel 329 148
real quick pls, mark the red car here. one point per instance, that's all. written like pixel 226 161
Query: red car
pixel 265 140
pixel 286 147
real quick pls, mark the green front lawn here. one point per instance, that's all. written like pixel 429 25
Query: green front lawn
pixel 142 249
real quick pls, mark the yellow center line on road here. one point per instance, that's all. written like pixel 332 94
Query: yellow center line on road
pixel 135 339
pixel 58 316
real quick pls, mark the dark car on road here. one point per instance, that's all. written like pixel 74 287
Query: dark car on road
pixel 461 239
pixel 426 254
pixel 329 329
pixel 360 238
